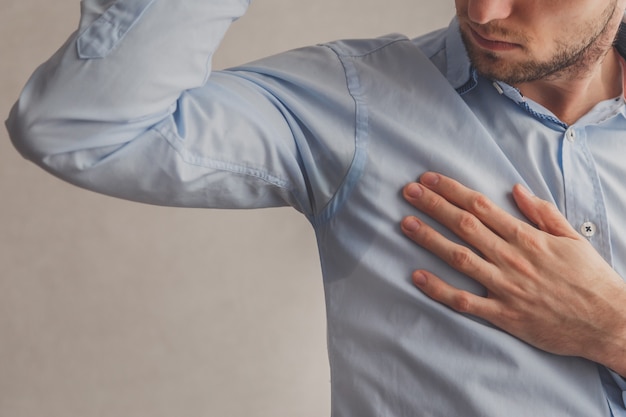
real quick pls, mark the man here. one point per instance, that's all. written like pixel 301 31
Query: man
pixel 512 92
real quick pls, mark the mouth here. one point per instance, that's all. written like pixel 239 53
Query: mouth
pixel 491 44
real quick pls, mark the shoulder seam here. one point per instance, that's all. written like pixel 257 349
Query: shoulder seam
pixel 361 133
pixel 334 46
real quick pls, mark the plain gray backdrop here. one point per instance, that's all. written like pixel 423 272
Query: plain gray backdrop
pixel 110 308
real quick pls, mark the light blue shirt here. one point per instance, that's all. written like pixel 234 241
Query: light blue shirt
pixel 129 107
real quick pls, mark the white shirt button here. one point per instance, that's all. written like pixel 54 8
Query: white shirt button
pixel 588 229
pixel 570 135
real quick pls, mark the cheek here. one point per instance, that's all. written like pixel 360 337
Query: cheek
pixel 461 7
pixel 546 41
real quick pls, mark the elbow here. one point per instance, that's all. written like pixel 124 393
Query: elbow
pixel 56 142
pixel 26 134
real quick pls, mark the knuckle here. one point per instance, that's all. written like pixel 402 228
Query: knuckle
pixel 519 265
pixel 428 239
pixel 432 204
pixel 479 204
pixel 527 240
pixel 435 292
pixel 461 258
pixel 511 318
pixel 468 223
pixel 461 302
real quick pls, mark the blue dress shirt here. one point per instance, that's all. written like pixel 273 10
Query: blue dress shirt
pixel 129 107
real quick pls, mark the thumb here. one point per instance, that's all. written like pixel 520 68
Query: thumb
pixel 542 213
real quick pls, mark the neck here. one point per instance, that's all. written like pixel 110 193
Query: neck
pixel 574 92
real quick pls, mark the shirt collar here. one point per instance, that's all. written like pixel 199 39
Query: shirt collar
pixel 459 72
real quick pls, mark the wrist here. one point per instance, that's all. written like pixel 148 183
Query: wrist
pixel 606 338
pixel 614 356
pixel 609 347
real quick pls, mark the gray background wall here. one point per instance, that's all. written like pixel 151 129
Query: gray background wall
pixel 110 308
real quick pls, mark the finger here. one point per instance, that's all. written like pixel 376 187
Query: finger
pixel 542 213
pixel 457 256
pixel 462 223
pixel 489 309
pixel 492 216
pixel 459 300
pixel 495 218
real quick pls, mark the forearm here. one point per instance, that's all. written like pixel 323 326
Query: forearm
pixel 128 64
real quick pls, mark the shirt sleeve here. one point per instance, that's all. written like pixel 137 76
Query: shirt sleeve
pixel 129 107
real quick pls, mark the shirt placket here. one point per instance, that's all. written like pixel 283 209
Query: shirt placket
pixel 585 206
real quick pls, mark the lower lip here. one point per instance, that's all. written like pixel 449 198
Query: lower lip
pixel 496 46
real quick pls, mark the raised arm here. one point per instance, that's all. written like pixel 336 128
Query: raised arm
pixel 129 107
pixel 546 285
pixel 128 62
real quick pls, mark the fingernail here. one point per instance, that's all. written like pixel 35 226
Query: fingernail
pixel 430 179
pixel 414 190
pixel 419 278
pixel 411 224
